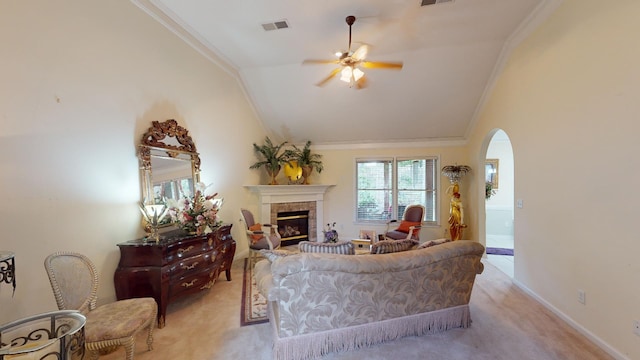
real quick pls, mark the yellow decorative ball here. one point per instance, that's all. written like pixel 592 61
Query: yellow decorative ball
pixel 293 171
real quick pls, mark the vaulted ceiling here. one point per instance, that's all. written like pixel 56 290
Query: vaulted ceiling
pixel 451 52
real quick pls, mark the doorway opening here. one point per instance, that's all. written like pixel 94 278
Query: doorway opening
pixel 499 202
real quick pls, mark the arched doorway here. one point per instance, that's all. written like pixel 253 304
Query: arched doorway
pixel 499 207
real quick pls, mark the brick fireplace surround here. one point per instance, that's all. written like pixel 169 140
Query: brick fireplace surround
pixel 279 198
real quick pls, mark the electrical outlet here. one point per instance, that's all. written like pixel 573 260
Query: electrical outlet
pixel 636 327
pixel 519 203
pixel 581 297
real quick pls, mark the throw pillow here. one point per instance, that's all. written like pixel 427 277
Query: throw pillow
pixel 256 237
pixel 340 247
pixel 391 246
pixel 433 243
pixel 405 225
pixel 273 255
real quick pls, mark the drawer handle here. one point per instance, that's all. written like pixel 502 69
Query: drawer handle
pixel 182 251
pixel 190 284
pixel 207 285
pixel 190 267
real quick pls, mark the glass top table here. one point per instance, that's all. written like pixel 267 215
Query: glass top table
pixel 56 334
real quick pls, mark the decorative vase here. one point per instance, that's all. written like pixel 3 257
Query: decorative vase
pixel 272 174
pixel 306 172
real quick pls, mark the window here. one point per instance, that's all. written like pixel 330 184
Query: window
pixel 386 186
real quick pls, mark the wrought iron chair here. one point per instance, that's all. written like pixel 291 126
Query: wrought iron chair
pixel 410 225
pixel 74 281
pixel 259 236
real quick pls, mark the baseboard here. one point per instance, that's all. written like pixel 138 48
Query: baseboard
pixel 582 330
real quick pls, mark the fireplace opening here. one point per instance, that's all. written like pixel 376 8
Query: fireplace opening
pixel 293 226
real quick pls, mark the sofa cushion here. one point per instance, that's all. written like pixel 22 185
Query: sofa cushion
pixel 340 247
pixel 273 255
pixel 433 243
pixel 391 246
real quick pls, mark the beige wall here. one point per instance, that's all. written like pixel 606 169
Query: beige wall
pixel 81 81
pixel 568 99
pixel 340 201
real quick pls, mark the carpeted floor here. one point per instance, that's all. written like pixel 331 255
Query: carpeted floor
pixel 507 324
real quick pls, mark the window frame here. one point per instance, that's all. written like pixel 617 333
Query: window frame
pixel 395 191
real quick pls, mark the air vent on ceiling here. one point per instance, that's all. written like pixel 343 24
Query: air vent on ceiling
pixel 276 25
pixel 433 2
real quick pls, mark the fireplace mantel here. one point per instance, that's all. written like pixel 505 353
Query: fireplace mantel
pixel 276 194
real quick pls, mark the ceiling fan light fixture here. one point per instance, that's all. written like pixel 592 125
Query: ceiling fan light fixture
pixel 357 74
pixel 346 74
pixel 351 74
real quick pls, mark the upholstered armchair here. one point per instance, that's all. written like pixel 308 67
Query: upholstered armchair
pixel 410 225
pixel 74 281
pixel 259 236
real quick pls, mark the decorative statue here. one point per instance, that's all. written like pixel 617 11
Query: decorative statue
pixel 456 213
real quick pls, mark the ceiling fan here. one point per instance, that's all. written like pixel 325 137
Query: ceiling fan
pixel 351 62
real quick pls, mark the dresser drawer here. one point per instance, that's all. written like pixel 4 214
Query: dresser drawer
pixel 193 283
pixel 193 264
pixel 188 248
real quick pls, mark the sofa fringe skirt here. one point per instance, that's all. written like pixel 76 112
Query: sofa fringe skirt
pixel 313 346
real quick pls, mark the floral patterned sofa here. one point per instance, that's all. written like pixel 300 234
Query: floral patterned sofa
pixel 320 303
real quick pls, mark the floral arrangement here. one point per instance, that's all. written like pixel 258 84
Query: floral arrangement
pixel 196 214
pixel 330 234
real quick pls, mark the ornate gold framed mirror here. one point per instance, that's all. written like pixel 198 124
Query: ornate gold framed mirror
pixel 169 163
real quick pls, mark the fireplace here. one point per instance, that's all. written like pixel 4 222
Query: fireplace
pixel 300 207
pixel 287 198
pixel 293 226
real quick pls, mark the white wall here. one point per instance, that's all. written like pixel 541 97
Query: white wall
pixel 568 98
pixel 81 82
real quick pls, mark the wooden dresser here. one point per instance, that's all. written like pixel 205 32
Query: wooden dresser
pixel 178 265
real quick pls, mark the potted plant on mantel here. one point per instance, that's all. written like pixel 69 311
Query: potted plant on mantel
pixel 273 159
pixel 306 160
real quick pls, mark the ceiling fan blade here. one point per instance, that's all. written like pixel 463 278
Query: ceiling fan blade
pixel 332 74
pixel 312 61
pixel 381 65
pixel 361 53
